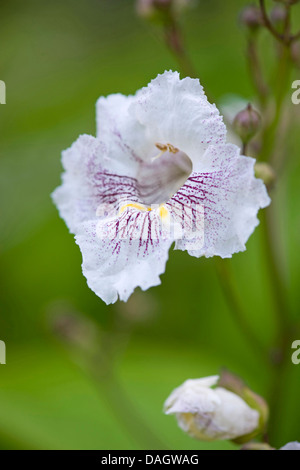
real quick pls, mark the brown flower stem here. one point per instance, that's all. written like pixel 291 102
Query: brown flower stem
pixel 256 71
pixel 174 41
pixel 244 148
pixel 287 25
pixel 282 86
pixel 268 216
pixel 287 38
pixel 280 356
pixel 268 24
pixel 282 77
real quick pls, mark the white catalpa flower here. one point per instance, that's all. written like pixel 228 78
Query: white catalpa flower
pixel 210 414
pixel 159 171
pixel 291 446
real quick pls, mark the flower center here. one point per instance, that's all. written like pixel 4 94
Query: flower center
pixel 163 174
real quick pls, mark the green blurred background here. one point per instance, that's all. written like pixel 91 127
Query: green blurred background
pixel 57 58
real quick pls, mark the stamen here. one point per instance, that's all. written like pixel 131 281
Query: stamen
pixel 172 149
pixel 163 149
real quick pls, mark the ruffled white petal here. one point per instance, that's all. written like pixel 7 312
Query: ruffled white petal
pixel 77 198
pixel 208 414
pixel 122 134
pixel 233 417
pixel 122 253
pixel 193 396
pixel 177 111
pixel 230 418
pixel 226 198
pixel 92 178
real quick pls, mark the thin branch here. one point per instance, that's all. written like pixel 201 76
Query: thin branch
pixel 269 25
pixel 256 71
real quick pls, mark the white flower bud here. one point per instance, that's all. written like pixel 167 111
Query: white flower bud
pixel 210 414
pixel 291 446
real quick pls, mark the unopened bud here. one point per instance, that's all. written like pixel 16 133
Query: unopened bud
pixel 208 413
pixel 278 15
pixel 256 402
pixel 266 173
pixel 257 446
pixel 247 123
pixel 75 330
pixel 291 446
pixel 251 17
